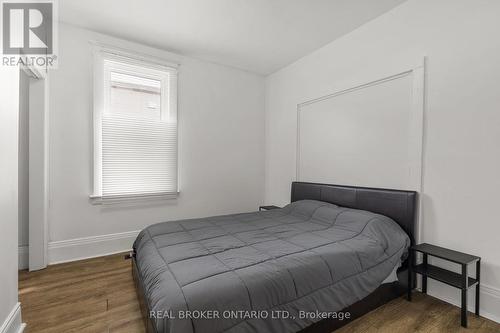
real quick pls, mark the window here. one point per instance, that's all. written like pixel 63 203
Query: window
pixel 135 127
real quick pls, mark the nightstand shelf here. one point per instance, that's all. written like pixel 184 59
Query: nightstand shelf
pixel 268 207
pixel 443 275
pixel 457 280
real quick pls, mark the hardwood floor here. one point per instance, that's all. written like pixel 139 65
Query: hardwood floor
pixel 98 296
pixel 424 314
pixel 94 296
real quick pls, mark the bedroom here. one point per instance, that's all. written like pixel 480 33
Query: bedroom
pixel 162 149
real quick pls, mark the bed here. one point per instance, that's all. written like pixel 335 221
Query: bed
pixel 302 268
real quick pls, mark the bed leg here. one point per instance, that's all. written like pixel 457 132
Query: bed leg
pixel 410 273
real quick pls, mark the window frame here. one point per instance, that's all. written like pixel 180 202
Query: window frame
pixel 145 66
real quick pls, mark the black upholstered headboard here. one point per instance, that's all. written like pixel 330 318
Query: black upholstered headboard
pixel 401 206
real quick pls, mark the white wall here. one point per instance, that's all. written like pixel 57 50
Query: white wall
pixel 221 142
pixel 462 120
pixel 10 316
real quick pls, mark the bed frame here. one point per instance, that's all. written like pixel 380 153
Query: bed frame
pixel 399 205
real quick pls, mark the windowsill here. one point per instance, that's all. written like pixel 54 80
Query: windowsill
pixel 124 199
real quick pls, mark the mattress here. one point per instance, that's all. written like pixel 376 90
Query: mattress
pixel 265 271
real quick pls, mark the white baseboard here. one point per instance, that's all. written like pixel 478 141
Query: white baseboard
pixel 13 322
pixel 23 257
pixel 489 298
pixel 90 247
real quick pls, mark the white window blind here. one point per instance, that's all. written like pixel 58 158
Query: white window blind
pixel 135 119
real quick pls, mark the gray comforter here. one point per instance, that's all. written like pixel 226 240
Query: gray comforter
pixel 249 272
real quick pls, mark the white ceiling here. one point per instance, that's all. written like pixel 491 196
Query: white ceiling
pixel 261 36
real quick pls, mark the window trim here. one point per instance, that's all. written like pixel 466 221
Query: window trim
pixel 101 54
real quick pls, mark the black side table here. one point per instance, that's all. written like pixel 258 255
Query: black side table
pixel 268 207
pixel 461 281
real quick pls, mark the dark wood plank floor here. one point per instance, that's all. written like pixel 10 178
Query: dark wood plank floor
pixel 98 296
